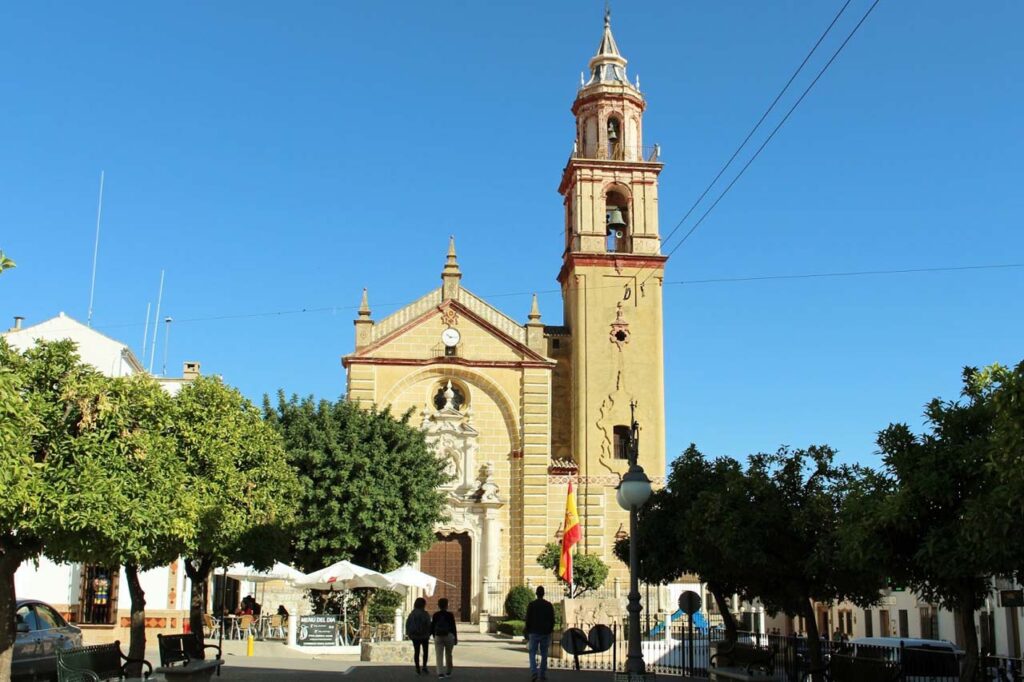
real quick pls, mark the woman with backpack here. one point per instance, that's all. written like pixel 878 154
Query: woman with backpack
pixel 442 626
pixel 417 628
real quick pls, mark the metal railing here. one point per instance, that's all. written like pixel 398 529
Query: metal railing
pixel 677 652
pixel 618 152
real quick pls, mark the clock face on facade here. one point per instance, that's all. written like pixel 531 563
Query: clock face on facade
pixel 450 337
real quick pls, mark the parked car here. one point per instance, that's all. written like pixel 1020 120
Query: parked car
pixel 932 659
pixel 41 633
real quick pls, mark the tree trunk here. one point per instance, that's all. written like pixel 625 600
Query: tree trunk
pixel 813 642
pixel 137 640
pixel 728 619
pixel 9 562
pixel 966 615
pixel 198 573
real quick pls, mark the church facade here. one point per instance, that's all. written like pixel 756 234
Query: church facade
pixel 515 409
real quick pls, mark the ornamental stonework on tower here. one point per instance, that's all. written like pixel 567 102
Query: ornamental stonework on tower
pixel 514 409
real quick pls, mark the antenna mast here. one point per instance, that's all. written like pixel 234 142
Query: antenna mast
pixel 95 252
pixel 145 332
pixel 156 321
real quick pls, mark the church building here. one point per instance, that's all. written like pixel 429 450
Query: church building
pixel 517 410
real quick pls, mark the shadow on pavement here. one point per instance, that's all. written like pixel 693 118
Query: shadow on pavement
pixel 381 673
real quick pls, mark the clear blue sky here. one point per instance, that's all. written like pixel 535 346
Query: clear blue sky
pixel 279 156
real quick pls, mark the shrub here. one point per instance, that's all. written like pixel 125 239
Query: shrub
pixel 512 627
pixel 383 604
pixel 518 598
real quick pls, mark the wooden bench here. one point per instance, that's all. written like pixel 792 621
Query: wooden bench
pixel 190 652
pixel 96 663
pixel 846 668
pixel 748 657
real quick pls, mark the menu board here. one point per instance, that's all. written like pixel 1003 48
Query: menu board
pixel 319 630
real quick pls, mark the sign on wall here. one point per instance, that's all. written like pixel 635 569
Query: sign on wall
pixel 1008 598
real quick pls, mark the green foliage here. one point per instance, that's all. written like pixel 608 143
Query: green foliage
pixel 5 262
pixel 48 400
pixel 516 628
pixel 383 604
pixel 245 492
pixel 701 524
pixel 1003 521
pixel 516 601
pixel 369 483
pixel 238 472
pixel 132 505
pixel 588 571
pixel 946 554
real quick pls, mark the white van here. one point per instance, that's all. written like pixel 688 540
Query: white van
pixel 931 659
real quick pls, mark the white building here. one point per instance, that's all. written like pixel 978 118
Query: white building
pixel 91 596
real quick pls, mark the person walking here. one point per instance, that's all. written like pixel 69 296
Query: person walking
pixel 417 628
pixel 540 623
pixel 442 627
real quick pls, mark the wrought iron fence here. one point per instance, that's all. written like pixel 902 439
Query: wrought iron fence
pixel 677 651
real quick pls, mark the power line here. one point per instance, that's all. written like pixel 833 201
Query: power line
pixel 690 282
pixel 774 130
pixel 761 120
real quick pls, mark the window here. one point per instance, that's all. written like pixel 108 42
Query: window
pixel 614 138
pixel 621 436
pixel 869 627
pixel 904 623
pixel 616 218
pixel 47 618
pixel 929 622
pixel 26 615
pixel 98 605
pixel 884 626
pixel 458 397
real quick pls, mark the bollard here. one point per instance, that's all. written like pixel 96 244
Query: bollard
pixel 250 644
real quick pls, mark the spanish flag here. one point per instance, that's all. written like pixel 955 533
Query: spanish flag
pixel 571 536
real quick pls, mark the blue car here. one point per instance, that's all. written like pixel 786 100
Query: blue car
pixel 42 632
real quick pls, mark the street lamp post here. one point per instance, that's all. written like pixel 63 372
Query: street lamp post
pixel 633 491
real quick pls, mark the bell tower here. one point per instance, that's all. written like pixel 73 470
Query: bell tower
pixel 611 280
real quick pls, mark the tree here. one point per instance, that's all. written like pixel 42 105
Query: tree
pixel 48 400
pixel 245 492
pixel 21 489
pixel 796 536
pixel 134 509
pixel 369 483
pixel 5 262
pixel 701 524
pixel 932 505
pixel 588 571
pixel 1003 525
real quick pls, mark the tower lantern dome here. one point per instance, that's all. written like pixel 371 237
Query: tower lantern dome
pixel 608 65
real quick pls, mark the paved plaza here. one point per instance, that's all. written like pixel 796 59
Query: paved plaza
pixel 477 657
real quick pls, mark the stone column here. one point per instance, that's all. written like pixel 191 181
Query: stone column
pixel 492 544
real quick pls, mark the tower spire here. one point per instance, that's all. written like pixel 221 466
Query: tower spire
pixel 608 65
pixel 364 306
pixel 451 274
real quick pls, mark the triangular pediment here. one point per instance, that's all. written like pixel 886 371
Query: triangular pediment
pixel 414 332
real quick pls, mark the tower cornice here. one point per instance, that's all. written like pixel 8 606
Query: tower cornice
pixel 618 261
pixel 606 166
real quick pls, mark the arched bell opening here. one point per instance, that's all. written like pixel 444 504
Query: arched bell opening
pixel 615 141
pixel 616 222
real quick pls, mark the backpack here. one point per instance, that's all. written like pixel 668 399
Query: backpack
pixel 441 628
pixel 417 625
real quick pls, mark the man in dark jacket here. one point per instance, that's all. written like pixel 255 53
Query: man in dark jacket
pixel 540 623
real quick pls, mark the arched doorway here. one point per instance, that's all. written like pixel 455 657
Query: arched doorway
pixel 449 560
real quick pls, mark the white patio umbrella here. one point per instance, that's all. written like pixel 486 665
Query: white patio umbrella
pixel 407 576
pixel 278 571
pixel 343 575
